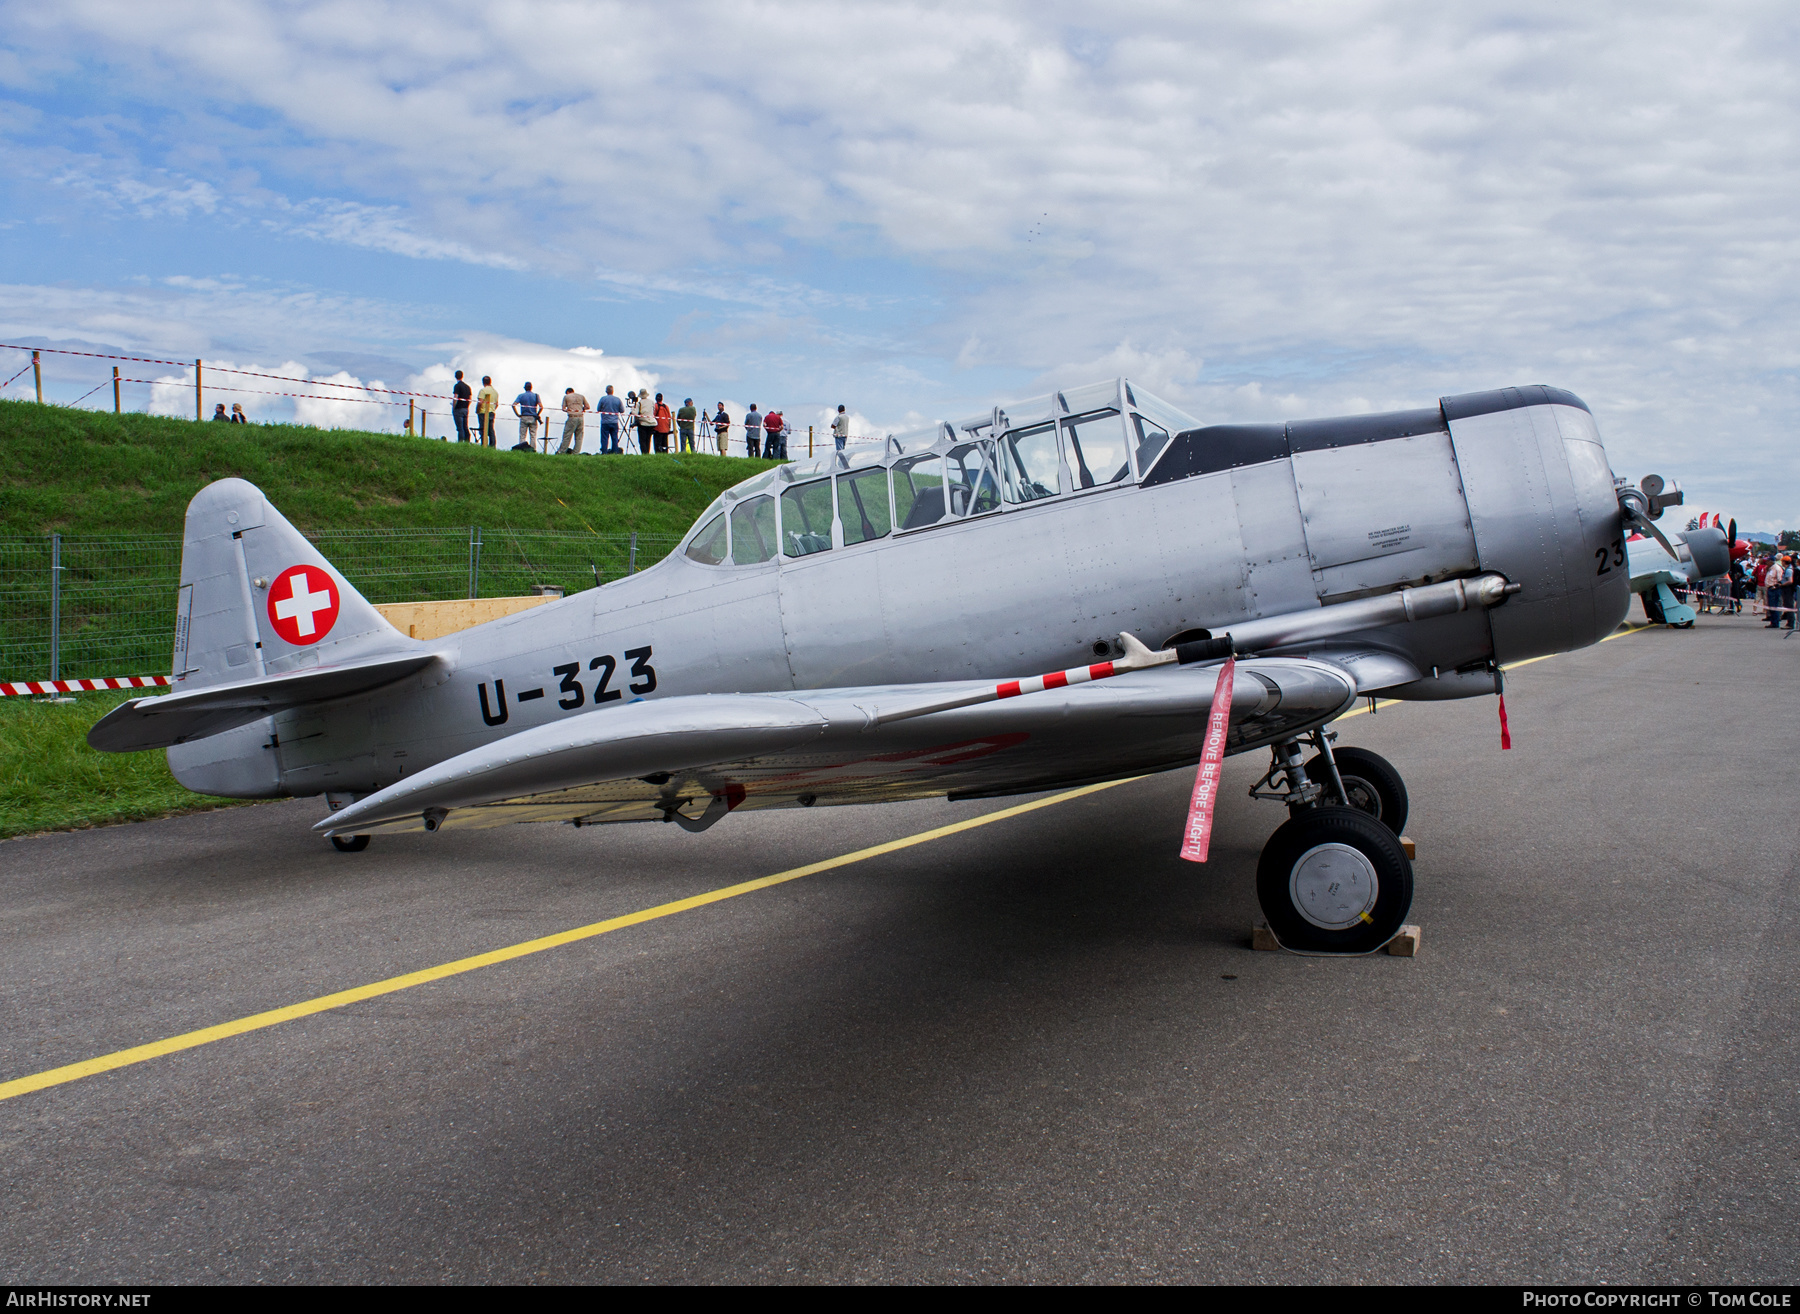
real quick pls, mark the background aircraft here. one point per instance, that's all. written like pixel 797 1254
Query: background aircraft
pixel 1661 565
pixel 861 627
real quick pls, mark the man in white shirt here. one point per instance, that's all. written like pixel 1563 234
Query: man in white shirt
pixel 840 429
pixel 646 421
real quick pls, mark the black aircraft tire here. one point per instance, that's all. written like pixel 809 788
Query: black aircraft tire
pixel 349 843
pixel 1371 782
pixel 1334 880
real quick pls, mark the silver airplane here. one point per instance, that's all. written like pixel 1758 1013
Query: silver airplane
pixel 865 626
pixel 1659 564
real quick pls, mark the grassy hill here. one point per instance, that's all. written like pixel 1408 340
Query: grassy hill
pixel 87 473
pixel 92 472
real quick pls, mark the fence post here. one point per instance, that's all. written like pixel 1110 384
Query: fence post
pixel 37 377
pixel 199 402
pixel 55 605
pixel 809 430
pixel 115 390
pixel 631 561
pixel 474 560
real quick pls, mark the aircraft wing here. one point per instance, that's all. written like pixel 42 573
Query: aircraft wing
pixel 694 758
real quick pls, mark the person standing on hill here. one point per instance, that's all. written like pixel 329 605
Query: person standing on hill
pixel 665 424
pixel 775 436
pixel 840 429
pixel 487 401
pixel 527 406
pixel 575 407
pixel 646 421
pixel 610 408
pixel 460 396
pixel 753 421
pixel 684 422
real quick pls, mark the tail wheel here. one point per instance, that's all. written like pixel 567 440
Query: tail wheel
pixel 1334 880
pixel 1371 782
pixel 349 843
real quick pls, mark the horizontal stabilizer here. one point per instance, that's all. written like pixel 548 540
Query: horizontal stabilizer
pixel 177 718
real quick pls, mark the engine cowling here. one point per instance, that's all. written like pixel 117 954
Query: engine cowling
pixel 1711 552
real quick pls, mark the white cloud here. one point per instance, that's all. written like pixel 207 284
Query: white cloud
pixel 379 228
pixel 184 316
pixel 1270 206
pixel 550 370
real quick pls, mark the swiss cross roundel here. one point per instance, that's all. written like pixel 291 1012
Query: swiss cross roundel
pixel 303 604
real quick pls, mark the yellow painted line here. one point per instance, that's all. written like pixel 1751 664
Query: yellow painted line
pixel 1619 633
pixel 324 1003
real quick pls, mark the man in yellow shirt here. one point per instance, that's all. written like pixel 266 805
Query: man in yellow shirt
pixel 487 401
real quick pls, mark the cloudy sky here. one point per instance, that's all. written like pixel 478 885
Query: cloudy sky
pixel 1261 210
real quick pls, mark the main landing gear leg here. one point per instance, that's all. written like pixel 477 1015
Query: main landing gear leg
pixel 1334 879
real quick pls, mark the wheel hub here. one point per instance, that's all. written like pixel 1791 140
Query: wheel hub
pixel 1362 795
pixel 1333 886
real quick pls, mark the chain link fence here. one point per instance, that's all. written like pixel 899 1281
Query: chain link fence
pixel 85 607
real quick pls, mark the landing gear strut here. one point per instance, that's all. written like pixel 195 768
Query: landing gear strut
pixel 1334 879
pixel 1370 783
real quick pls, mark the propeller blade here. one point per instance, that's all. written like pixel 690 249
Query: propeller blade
pixel 1644 525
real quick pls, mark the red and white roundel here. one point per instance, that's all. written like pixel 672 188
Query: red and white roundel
pixel 303 604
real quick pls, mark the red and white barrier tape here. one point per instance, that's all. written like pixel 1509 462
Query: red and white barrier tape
pixel 96 355
pixel 219 369
pixel 270 392
pixel 81 686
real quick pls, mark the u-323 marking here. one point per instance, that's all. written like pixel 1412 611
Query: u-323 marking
pixel 574 694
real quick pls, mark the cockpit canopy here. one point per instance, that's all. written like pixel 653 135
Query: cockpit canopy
pixel 1066 444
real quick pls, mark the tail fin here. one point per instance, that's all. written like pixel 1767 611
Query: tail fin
pixel 258 600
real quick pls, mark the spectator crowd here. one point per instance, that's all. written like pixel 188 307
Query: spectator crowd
pixel 638 423
pixel 1773 579
pixel 1762 576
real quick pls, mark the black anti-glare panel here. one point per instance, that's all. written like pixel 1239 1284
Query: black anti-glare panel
pixel 1218 447
pixel 1231 446
pixel 1351 430
pixel 1508 399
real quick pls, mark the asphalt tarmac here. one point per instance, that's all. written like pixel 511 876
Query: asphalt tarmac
pixel 1038 1049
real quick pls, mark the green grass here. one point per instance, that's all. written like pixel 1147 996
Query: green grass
pixel 51 780
pixel 93 472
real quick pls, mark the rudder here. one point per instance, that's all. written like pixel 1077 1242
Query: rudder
pixel 258 599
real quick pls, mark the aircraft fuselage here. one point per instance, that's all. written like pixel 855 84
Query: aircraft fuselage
pixel 1211 527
